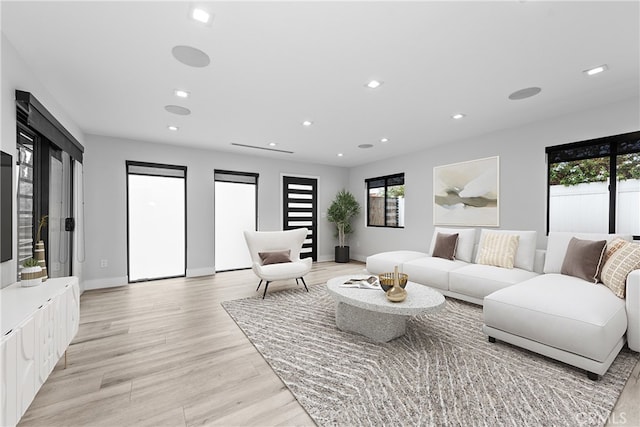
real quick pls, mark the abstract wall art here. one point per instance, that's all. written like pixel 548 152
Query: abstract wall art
pixel 467 193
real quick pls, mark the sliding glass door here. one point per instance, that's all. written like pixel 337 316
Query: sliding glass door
pixel 156 223
pixel 61 223
pixel 235 199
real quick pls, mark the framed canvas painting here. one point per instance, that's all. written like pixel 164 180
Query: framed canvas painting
pixel 467 193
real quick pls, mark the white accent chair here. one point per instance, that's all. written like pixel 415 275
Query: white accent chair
pixel 271 241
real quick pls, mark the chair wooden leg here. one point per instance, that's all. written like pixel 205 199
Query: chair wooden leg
pixel 304 283
pixel 259 284
pixel 265 289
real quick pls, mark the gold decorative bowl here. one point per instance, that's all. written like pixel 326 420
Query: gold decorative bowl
pixel 386 280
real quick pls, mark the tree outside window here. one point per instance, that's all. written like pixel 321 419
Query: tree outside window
pixel 582 195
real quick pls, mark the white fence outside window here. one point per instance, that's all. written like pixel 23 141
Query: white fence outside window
pixel 585 207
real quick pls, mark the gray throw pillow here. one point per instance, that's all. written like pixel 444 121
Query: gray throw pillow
pixel 584 259
pixel 276 257
pixel 445 246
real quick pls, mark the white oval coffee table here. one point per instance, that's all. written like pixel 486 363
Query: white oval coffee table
pixel 369 313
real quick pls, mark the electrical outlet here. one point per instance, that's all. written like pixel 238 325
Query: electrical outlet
pixel 104 263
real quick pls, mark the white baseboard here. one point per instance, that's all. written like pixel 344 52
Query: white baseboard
pixel 326 258
pixel 359 257
pixel 198 272
pixel 108 282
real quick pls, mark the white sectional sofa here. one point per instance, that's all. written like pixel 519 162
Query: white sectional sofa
pixel 532 305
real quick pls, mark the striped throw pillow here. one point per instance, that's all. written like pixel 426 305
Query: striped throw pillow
pixel 622 262
pixel 498 249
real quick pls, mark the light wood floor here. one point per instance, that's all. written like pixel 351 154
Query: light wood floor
pixel 166 353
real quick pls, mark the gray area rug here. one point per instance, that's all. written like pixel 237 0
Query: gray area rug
pixel 442 372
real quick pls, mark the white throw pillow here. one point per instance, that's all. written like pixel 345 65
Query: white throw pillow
pixel 527 243
pixel 558 241
pixel 466 241
pixel 498 249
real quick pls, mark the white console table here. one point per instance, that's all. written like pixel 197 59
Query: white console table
pixel 38 324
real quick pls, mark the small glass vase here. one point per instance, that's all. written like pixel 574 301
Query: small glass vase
pixel 396 293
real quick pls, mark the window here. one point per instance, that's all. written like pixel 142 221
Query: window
pixel 594 186
pixel 156 221
pixel 46 155
pixel 385 201
pixel 235 210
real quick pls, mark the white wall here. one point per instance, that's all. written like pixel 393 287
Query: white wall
pixel 105 201
pixel 16 74
pixel 523 191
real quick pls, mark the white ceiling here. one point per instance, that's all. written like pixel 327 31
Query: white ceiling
pixel 275 64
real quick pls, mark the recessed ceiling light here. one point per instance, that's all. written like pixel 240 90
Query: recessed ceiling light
pixel 181 93
pixel 596 70
pixel 272 144
pixel 200 15
pixel 384 139
pixel 340 154
pixel 173 128
pixel 307 123
pixel 458 116
pixel 374 84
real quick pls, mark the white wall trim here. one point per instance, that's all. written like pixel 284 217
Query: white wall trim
pixel 199 272
pixel 109 282
pixel 359 257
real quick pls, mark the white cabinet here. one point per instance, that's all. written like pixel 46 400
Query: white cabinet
pixel 9 372
pixel 38 325
pixel 27 362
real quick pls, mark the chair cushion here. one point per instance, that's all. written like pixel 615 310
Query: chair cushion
pixel 527 243
pixel 558 241
pixel 466 241
pixel 283 271
pixel 560 311
pixel 384 262
pixel 431 271
pixel 476 280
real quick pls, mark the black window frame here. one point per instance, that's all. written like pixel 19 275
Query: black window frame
pixel 180 168
pixel 610 146
pixel 388 182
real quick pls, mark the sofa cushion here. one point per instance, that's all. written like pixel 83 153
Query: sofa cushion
pixel 478 280
pixel 584 259
pixel 431 271
pixel 620 263
pixel 466 241
pixel 558 241
pixel 527 242
pixel 612 247
pixel 498 249
pixel 445 246
pixel 562 312
pixel 384 262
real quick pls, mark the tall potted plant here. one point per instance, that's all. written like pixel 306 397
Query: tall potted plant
pixel 343 208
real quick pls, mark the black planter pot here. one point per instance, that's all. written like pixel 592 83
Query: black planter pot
pixel 342 253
